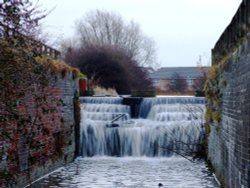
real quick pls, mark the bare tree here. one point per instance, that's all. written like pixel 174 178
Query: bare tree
pixel 200 82
pixel 67 45
pixel 108 28
pixel 195 148
pixel 178 83
pixel 109 67
pixel 20 18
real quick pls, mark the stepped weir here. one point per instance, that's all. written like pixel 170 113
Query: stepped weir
pixel 164 126
pixel 136 142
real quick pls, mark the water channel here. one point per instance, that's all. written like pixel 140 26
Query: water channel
pixel 118 151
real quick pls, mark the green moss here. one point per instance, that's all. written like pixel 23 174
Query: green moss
pixel 148 93
pixel 25 77
pixel 237 59
pixel 228 53
pixel 58 66
pixel 208 115
pixel 88 93
pixel 216 116
pixel 77 118
pixel 81 76
pixel 214 91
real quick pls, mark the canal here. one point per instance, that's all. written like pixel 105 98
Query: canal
pixel 130 172
pixel 118 151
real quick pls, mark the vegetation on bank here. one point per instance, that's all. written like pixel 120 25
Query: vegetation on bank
pixel 215 85
pixel 29 98
pixel 109 67
pixel 58 67
pixel 111 52
pixel 214 88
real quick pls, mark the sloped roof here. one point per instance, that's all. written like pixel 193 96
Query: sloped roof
pixel 185 72
pixel 148 70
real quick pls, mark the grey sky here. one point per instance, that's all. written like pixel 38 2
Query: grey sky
pixel 182 29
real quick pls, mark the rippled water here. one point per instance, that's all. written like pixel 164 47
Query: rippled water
pixel 168 122
pixel 130 172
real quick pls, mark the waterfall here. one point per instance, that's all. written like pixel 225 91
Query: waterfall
pixel 166 126
pixel 100 100
pixel 148 103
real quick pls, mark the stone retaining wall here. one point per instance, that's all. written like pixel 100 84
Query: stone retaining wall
pixel 54 131
pixel 229 140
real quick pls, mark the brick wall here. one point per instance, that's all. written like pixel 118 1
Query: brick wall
pixel 229 141
pixel 43 136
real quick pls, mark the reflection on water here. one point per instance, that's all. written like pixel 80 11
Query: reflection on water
pixel 130 172
pixel 168 121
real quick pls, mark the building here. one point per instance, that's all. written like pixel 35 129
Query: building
pixel 178 79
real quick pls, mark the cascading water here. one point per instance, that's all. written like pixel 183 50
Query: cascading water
pixel 167 125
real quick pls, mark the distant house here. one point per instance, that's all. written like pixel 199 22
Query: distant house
pixel 148 70
pixel 178 79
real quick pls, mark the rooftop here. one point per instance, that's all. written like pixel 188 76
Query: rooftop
pixel 185 72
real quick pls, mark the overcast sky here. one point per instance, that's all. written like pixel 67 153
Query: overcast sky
pixel 183 30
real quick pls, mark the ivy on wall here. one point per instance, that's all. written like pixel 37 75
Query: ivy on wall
pixel 30 109
pixel 213 94
pixel 215 85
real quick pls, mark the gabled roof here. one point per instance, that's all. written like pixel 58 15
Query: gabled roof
pixel 148 70
pixel 167 73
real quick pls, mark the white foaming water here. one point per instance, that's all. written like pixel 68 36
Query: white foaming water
pixel 106 108
pixel 100 100
pixel 165 103
pixel 172 125
pixel 169 126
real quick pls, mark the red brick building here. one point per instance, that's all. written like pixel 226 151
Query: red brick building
pixel 166 77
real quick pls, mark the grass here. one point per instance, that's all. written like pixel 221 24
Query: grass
pixel 59 67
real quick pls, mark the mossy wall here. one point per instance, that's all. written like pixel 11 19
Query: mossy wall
pixel 37 121
pixel 228 114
